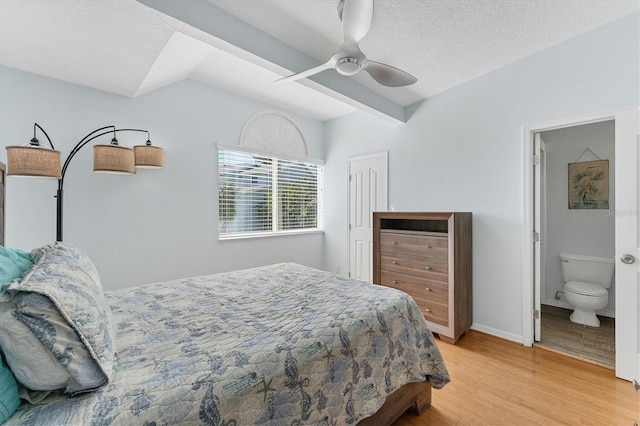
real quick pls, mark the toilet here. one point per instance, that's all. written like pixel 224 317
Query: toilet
pixel 586 279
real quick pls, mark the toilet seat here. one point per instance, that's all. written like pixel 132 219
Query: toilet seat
pixel 585 289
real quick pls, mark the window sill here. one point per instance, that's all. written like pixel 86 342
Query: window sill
pixel 269 234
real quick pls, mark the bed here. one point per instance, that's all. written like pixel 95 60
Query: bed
pixel 275 345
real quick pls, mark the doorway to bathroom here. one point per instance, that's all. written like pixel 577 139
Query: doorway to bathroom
pixel 574 187
pixel 626 284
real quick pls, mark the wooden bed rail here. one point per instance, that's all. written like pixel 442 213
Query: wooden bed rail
pixel 412 395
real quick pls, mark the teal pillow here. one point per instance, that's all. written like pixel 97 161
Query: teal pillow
pixel 13 264
pixel 9 399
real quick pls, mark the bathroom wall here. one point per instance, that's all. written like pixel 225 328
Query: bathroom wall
pixel 577 231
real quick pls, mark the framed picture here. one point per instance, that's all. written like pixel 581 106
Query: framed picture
pixel 589 185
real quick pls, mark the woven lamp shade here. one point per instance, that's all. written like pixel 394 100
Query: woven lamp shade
pixel 149 157
pixel 33 161
pixel 113 159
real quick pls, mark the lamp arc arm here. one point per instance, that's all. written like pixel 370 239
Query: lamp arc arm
pixel 133 130
pixel 137 130
pixel 36 125
pixel 85 140
pixel 91 136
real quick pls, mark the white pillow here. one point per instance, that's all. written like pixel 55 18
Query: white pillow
pixel 31 363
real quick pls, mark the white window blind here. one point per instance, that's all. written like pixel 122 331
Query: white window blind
pixel 261 194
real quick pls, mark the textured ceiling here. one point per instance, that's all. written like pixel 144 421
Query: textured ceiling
pixel 442 42
pixel 127 48
pixel 130 47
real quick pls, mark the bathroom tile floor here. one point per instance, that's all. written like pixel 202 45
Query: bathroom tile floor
pixel 592 343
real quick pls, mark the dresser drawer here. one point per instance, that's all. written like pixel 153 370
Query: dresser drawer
pixel 435 291
pixel 414 244
pixel 433 311
pixel 427 267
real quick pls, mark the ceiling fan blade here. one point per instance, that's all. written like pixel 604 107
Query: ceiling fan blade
pixel 304 74
pixel 387 75
pixel 357 16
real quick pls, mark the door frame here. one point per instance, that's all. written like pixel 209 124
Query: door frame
pixel 385 199
pixel 528 133
pixel 539 225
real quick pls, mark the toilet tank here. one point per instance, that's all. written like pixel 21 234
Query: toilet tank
pixel 587 269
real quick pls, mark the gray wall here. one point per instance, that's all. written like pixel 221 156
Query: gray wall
pixel 157 224
pixel 577 231
pixel 463 150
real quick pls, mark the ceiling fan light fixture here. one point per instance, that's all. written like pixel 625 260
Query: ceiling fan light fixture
pixel 348 66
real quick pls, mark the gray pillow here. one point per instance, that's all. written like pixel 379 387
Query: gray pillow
pixel 61 300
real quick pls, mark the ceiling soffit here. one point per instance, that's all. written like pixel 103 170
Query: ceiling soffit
pixel 259 47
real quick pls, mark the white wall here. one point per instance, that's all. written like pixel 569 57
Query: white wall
pixel 577 231
pixel 158 224
pixel 462 151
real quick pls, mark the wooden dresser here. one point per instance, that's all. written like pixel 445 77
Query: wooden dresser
pixel 428 256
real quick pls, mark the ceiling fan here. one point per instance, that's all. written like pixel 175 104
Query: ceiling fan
pixel 356 16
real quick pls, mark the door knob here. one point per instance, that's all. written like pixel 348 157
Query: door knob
pixel 627 258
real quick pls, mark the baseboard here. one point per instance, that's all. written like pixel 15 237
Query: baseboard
pixel 557 303
pixel 609 313
pixel 498 333
pixel 514 337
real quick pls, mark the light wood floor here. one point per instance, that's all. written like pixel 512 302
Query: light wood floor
pixel 498 382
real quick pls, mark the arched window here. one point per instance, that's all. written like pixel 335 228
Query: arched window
pixel 270 131
pixel 267 185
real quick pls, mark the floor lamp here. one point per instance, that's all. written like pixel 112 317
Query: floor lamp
pixel 35 161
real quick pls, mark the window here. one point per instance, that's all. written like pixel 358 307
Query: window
pixel 265 194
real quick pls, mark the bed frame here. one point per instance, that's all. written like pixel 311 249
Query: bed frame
pixel 412 395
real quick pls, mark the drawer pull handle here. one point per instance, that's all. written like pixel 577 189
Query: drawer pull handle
pixel 427 267
pixel 428 246
pixel 394 262
pixel 394 243
pixel 427 310
pixel 394 281
pixel 427 288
